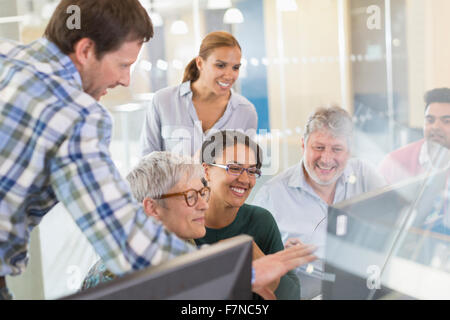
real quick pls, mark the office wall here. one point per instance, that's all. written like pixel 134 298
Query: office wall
pixel 429 52
pixel 180 47
pixel 9 30
pixel 309 35
pixel 253 43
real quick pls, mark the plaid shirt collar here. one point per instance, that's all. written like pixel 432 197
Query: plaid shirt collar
pixel 63 66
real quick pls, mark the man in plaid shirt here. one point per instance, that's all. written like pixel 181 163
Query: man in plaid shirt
pixel 54 138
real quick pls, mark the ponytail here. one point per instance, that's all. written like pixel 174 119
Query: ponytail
pixel 191 72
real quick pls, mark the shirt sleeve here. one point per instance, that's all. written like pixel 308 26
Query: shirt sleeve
pixel 263 200
pixel 260 197
pixel 87 182
pixel 151 139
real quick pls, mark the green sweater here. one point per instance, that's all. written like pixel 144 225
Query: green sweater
pixel 260 224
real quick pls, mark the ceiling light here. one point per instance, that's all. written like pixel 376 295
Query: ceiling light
pixel 232 16
pixel 179 27
pixel 145 65
pixel 156 18
pixel 254 62
pixel 218 4
pixel 161 64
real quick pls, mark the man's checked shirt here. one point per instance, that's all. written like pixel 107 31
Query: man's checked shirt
pixel 54 142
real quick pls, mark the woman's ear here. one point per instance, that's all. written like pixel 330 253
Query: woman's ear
pixel 199 63
pixel 151 208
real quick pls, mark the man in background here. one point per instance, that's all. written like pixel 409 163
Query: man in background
pixel 431 151
pixel 299 197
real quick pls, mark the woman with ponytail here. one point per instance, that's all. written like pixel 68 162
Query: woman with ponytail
pixel 181 117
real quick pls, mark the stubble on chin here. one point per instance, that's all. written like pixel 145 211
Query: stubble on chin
pixel 314 177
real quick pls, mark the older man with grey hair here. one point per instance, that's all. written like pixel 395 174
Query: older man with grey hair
pixel 299 197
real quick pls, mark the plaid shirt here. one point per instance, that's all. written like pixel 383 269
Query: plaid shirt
pixel 54 142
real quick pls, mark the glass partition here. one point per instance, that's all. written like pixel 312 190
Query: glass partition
pixel 390 244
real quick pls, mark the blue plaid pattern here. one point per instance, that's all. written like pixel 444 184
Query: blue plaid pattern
pixel 54 141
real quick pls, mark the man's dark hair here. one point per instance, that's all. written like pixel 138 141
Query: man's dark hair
pixel 219 141
pixel 109 23
pixel 439 95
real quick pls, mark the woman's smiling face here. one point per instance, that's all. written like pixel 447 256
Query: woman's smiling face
pixel 232 190
pixel 221 69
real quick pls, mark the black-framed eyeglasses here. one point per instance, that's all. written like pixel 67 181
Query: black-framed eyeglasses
pixel 191 195
pixel 236 169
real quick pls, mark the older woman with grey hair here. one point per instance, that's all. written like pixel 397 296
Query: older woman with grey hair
pixel 172 190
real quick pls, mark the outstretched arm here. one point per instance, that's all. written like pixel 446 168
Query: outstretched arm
pixel 273 266
pixel 257 254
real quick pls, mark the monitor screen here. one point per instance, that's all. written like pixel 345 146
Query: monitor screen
pixel 218 272
pixel 380 246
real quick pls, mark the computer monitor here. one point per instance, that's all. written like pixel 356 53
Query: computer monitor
pixel 221 271
pixel 377 246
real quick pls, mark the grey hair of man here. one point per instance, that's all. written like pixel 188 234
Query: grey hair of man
pixel 160 171
pixel 334 119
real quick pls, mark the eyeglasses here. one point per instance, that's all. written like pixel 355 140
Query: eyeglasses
pixel 191 195
pixel 236 170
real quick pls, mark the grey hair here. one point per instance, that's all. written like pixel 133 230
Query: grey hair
pixel 160 171
pixel 334 119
